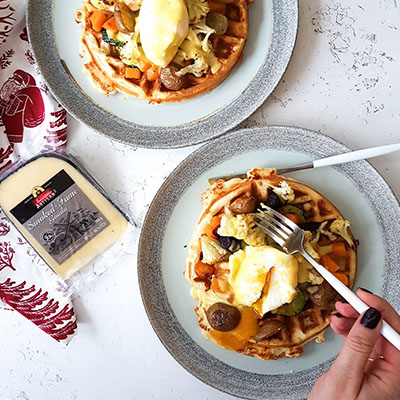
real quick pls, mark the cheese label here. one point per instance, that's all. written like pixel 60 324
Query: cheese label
pixel 60 217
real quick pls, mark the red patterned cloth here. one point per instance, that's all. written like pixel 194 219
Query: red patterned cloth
pixel 31 121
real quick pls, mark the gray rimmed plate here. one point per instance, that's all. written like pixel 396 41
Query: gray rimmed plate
pixel 54 36
pixel 356 189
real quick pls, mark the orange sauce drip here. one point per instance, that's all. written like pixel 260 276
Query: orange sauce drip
pixel 237 338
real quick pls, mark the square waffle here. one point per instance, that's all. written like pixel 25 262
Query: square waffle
pixel 295 330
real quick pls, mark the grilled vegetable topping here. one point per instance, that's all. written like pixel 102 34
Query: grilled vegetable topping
pixel 132 4
pixel 243 205
pixel 218 22
pixel 291 209
pixel 171 80
pixel 110 25
pixel 225 241
pixel 223 317
pixel 113 42
pixel 324 296
pixel 211 250
pixel 273 201
pixel 294 307
pixel 124 18
pixel 203 270
pixel 197 10
pixel 229 243
pixel 310 226
pixel 268 329
pixel 340 227
pixel 133 73
pixel 97 19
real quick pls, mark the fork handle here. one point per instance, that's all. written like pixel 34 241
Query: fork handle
pixel 387 331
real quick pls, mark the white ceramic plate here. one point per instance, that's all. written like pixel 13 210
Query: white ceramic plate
pixel 356 189
pixel 55 40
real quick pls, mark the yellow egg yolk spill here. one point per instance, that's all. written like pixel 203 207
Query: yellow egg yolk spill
pixel 237 338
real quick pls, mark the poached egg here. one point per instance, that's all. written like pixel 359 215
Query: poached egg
pixel 163 26
pixel 263 277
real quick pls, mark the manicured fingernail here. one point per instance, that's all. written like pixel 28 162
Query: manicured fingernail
pixel 371 318
pixel 366 290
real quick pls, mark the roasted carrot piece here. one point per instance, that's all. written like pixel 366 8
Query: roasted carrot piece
pixel 220 271
pixel 293 217
pixel 153 73
pixel 217 285
pixel 324 241
pixel 329 264
pixel 110 25
pixel 214 223
pixel 133 73
pixel 203 270
pixel 217 7
pixel 342 277
pixel 339 249
pixel 144 65
pixel 97 19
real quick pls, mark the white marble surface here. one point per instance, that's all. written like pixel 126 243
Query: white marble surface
pixel 343 80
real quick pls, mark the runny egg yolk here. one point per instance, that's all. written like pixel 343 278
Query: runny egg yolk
pixel 163 26
pixel 263 278
pixel 237 338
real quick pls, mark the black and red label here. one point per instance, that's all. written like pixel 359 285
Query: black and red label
pixel 36 201
pixel 60 216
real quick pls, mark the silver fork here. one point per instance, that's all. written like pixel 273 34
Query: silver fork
pixel 291 238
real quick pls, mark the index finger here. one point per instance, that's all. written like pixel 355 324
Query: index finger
pixel 346 310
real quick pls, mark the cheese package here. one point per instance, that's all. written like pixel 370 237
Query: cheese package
pixel 63 213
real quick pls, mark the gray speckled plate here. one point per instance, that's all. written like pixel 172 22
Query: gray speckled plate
pixel 54 36
pixel 356 189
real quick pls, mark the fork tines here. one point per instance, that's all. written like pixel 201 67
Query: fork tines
pixel 276 226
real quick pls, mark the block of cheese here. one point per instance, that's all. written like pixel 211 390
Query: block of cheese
pixel 65 218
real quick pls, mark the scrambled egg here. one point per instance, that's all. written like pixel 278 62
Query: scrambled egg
pixel 262 277
pixel 242 227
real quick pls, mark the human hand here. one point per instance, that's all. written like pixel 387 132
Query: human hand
pixel 368 365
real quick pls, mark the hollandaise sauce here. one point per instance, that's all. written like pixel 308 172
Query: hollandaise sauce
pixel 163 26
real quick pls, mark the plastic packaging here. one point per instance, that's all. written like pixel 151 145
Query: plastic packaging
pixel 66 216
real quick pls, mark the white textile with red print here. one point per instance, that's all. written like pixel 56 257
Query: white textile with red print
pixel 31 121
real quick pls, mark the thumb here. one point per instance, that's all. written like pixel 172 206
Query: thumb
pixel 351 361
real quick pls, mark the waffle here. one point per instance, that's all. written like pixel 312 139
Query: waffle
pixel 296 330
pixel 106 72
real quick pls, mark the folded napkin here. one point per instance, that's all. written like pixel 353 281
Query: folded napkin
pixel 31 121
